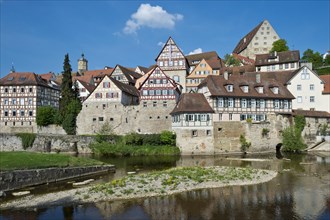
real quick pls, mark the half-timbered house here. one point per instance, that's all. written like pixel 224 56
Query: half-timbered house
pixel 125 75
pixel 20 95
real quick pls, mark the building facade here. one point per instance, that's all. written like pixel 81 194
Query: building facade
pixel 259 40
pixel 277 61
pixel 20 95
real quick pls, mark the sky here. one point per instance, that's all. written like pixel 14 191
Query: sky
pixel 36 35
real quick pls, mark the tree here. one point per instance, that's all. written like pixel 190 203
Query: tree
pixel 313 57
pixel 66 86
pixel 230 60
pixel 45 115
pixel 279 46
pixel 327 60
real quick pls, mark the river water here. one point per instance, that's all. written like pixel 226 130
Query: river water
pixel 299 191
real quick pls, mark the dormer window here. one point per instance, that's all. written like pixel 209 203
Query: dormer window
pixel 260 89
pixel 230 88
pixel 275 90
pixel 245 89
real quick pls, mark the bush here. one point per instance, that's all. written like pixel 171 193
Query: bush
pixel 45 115
pixel 244 144
pixel 69 124
pixel 264 132
pixel 151 139
pixel 133 139
pixel 292 140
pixel 27 139
pixel 168 138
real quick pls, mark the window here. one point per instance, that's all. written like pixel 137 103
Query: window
pixel 220 102
pixel 101 118
pixel 273 67
pixel 158 81
pixel 164 81
pixel 171 92
pixel 243 103
pixel 231 102
pixel 202 65
pixel 280 66
pixel 299 99
pixel 6 101
pixel 161 63
pixel 268 68
pixel 14 113
pixel 176 78
pixel 22 113
pixel 98 95
pixel 298 87
pixel 276 104
pixel 194 133
pixel 253 103
pixel 158 92
pixel 6 113
pixel 151 92
pixel 245 89
pixel 286 66
pixel 145 104
pixel 22 90
pixel 260 89
pixel 14 89
pixel 21 101
pixel 6 90
pixel 311 87
pixel 180 63
pixel 230 116
pixel 262 103
pixel 30 89
pixel 154 104
pixel 30 113
pixel 106 84
pixel 292 65
pixel 230 88
pixel 286 104
pixel 204 117
pixel 14 101
pixel 220 117
pixel 164 103
pixel 275 90
pixel 312 99
pixel 145 92
pixel 164 92
pixel 208 132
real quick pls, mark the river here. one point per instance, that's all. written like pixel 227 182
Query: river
pixel 298 192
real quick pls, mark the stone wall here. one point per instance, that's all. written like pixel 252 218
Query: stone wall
pixel 51 129
pixel 126 119
pixel 48 143
pixel 11 180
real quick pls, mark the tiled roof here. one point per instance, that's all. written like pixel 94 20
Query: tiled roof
pixel 143 69
pixel 199 56
pixel 47 76
pixel 192 103
pixel 280 76
pixel 23 78
pixel 217 87
pixel 244 42
pixel 130 74
pixel 283 57
pixel 125 87
pixel 313 114
pixel 244 60
pixel 214 63
pixel 87 86
pixel 326 80
pixel 238 70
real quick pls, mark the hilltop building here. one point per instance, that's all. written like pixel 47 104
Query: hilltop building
pixel 259 40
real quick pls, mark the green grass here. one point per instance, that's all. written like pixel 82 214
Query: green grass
pixel 31 160
pixel 120 149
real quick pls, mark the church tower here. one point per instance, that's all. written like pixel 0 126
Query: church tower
pixel 82 65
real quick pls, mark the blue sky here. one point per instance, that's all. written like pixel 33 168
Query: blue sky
pixel 35 35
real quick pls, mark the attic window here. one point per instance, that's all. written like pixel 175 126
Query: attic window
pixel 275 90
pixel 230 88
pixel 10 78
pixel 260 89
pixel 245 89
pixel 195 61
pixel 22 78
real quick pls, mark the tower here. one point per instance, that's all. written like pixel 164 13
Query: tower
pixel 82 64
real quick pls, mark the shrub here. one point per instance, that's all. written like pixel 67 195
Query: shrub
pixel 151 139
pixel 45 115
pixel 27 139
pixel 69 124
pixel 249 120
pixel 168 138
pixel 133 139
pixel 244 144
pixel 323 129
pixel 299 122
pixel 264 132
pixel 292 140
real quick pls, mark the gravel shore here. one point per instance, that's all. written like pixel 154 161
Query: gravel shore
pixel 158 183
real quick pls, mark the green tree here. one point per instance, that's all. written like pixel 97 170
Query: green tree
pixel 45 115
pixel 168 138
pixel 279 46
pixel 313 57
pixel 69 124
pixel 66 87
pixel 230 60
pixel 327 60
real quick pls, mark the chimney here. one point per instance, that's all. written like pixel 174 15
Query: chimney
pixel 225 75
pixel 258 78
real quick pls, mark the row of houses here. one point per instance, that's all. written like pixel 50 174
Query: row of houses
pixel 190 94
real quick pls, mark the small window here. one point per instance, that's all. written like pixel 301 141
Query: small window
pixel 311 87
pixel 22 113
pixel 6 90
pixel 14 113
pixel 94 119
pixel 22 90
pixel 101 119
pixel 14 89
pixel 164 103
pixel 30 113
pixel 154 104
pixel 312 98
pixel 299 99
pixel 194 133
pixel 230 117
pixel 208 132
pixel 111 119
pixel 30 89
pixel 145 104
pixel 298 87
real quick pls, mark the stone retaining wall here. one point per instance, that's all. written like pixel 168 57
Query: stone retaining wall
pixel 11 180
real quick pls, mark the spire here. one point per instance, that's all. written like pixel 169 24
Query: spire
pixel 12 70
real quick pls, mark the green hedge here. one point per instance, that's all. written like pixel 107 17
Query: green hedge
pixel 27 139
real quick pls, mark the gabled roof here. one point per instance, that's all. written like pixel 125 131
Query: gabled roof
pixel 48 76
pixel 192 103
pixel 280 76
pixel 22 79
pixel 326 80
pixel 125 87
pixel 170 38
pixel 217 87
pixel 245 41
pixel 200 56
pixel 130 75
pixel 87 86
pixel 143 69
pixel 237 70
pixel 312 114
pixel 283 57
pixel 149 73
pixel 294 73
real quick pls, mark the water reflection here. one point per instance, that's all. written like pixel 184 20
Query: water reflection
pixel 298 192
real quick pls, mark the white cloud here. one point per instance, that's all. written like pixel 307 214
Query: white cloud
pixel 196 51
pixel 152 17
pixel 161 44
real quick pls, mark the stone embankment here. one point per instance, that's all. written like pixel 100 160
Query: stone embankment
pixel 48 143
pixel 11 180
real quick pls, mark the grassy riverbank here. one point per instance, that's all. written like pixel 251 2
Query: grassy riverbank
pixel 31 160
pixel 107 149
